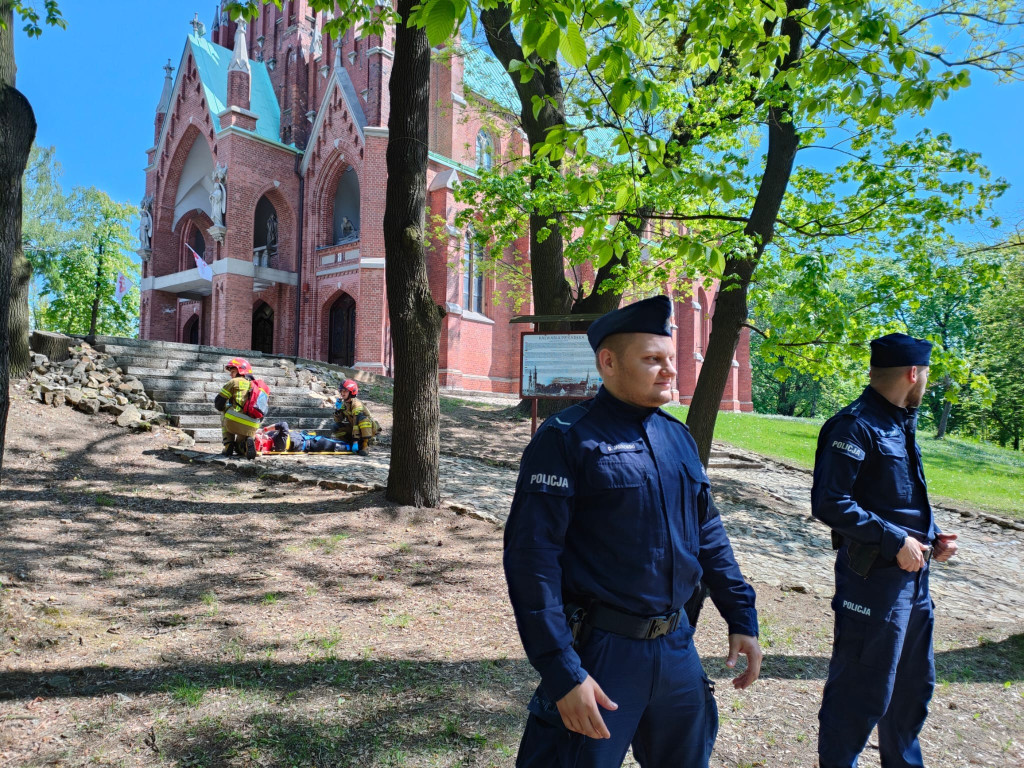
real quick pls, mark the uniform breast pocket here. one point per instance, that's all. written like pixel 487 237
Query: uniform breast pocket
pixel 695 483
pixel 619 503
pixel 895 466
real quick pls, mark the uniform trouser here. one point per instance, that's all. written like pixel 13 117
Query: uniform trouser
pixel 882 670
pixel 227 438
pixel 666 708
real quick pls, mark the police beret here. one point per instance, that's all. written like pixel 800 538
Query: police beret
pixel 648 316
pixel 898 349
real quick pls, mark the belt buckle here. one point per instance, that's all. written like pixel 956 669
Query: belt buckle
pixel 927 553
pixel 662 625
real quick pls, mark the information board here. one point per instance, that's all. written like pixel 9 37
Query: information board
pixel 557 365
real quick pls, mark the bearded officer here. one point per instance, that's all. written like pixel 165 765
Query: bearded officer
pixel 869 488
pixel 611 531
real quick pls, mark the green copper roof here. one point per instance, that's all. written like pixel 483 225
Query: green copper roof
pixel 465 170
pixel 212 64
pixel 484 75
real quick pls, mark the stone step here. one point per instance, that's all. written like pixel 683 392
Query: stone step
pixel 184 379
pixel 164 384
pixel 105 343
pixel 273 380
pixel 158 349
pixel 167 396
pixel 144 356
pixel 206 406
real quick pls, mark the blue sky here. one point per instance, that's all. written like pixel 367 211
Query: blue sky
pixel 94 88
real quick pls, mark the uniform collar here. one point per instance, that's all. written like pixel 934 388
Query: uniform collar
pixel 895 411
pixel 621 407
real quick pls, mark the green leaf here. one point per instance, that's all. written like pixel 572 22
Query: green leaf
pixel 537 102
pixel 547 44
pixel 573 47
pixel 440 21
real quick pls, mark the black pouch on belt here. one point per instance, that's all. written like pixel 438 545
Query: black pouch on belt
pixel 862 557
pixel 576 616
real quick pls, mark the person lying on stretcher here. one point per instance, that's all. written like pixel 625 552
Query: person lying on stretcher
pixel 279 439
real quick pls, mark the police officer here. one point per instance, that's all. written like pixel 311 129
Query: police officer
pixel 611 531
pixel 869 488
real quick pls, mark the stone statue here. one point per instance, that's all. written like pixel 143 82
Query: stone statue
pixel 347 227
pixel 145 223
pixel 317 46
pixel 218 196
pixel 272 233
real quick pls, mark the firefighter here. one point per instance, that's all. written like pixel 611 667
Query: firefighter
pixel 237 429
pixel 354 422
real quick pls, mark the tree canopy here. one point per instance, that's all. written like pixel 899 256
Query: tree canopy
pixel 62 236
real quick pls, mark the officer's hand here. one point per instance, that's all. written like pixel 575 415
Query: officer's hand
pixel 945 547
pixel 911 555
pixel 579 711
pixel 750 648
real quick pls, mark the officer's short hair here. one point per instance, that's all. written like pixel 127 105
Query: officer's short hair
pixel 890 374
pixel 616 343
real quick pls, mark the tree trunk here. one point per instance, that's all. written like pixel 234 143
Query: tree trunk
pixel 18 319
pixel 17 130
pixel 94 318
pixel 415 317
pixel 730 313
pixel 947 406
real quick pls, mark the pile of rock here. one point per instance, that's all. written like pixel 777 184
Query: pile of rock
pixel 90 382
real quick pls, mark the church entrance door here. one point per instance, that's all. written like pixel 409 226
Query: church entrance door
pixel 263 329
pixel 190 334
pixel 343 331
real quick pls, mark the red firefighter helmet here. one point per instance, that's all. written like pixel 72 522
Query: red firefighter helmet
pixel 351 386
pixel 240 364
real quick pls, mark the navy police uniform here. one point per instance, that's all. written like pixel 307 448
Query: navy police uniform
pixel 612 514
pixel 869 487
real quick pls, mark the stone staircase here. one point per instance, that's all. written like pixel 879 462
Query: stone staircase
pixel 184 379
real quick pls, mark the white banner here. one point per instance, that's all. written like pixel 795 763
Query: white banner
pixel 121 286
pixel 204 269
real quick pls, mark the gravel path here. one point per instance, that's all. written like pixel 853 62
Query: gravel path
pixel 766 507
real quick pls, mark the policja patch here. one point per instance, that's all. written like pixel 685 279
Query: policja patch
pixel 850 449
pixel 543 483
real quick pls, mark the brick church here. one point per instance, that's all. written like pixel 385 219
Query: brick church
pixel 269 163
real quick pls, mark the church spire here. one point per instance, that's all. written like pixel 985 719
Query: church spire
pixel 165 95
pixel 240 57
pixel 239 72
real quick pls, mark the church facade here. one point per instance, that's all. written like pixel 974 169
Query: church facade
pixel 268 164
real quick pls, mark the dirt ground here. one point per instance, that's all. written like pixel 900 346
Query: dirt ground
pixel 156 613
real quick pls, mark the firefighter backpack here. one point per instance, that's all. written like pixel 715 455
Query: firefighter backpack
pixel 258 401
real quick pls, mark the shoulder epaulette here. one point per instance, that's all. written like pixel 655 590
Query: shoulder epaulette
pixel 563 421
pixel 670 417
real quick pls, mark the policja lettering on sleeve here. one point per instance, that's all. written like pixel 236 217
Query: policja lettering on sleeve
pixel 850 449
pixel 542 482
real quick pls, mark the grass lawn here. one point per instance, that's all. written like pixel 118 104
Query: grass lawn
pixel 977 474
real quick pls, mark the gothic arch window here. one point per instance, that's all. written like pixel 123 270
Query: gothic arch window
pixel 198 242
pixel 484 151
pixel 346 208
pixel 264 234
pixel 472 278
pixel 193 239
